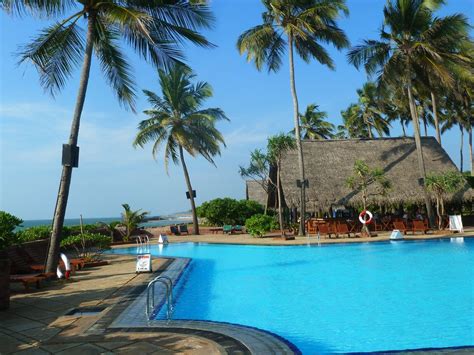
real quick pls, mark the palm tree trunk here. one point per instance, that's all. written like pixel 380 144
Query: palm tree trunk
pixel 419 151
pixel 470 149
pixel 65 182
pixel 436 118
pixel 298 137
pixel 461 155
pixel 280 212
pixel 190 191
pixel 403 128
pixel 369 129
pixel 425 126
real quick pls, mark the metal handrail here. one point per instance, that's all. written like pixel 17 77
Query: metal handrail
pixel 169 295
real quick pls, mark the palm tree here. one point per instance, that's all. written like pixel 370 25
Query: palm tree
pixel 368 111
pixel 277 146
pixel 131 219
pixel 410 47
pixel 352 126
pixel 314 125
pixel 455 114
pixel 300 25
pixel 178 122
pixel 154 29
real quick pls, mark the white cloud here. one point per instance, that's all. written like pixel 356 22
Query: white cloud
pixel 36 131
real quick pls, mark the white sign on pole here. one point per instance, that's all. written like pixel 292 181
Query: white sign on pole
pixel 455 224
pixel 143 263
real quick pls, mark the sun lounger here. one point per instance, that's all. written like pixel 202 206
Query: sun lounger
pixel 31 279
pixel 36 261
pixel 183 228
pixel 342 228
pixel 174 230
pixel 400 226
pixel 238 228
pixel 326 229
pixel 227 229
pixel 420 226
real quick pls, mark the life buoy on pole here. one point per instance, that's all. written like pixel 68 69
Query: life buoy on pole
pixel 67 266
pixel 362 218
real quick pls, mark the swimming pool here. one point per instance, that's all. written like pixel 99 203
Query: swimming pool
pixel 335 298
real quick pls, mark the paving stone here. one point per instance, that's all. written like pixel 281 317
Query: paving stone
pixel 34 313
pixel 9 344
pixel 83 349
pixel 42 333
pixel 20 324
pixel 112 344
pixel 141 347
pixel 54 348
pixel 33 351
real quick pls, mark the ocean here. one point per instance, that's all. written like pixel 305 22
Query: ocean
pixel 76 221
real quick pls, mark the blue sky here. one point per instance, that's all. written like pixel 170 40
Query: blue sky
pixel 33 125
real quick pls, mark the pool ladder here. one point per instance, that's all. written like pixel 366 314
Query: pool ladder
pixel 150 301
pixel 142 240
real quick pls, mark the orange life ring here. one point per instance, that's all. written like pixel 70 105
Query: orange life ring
pixel 362 218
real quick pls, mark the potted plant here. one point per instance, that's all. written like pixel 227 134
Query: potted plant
pixel 8 223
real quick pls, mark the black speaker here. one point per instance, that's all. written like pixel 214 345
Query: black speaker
pixel 187 194
pixel 70 155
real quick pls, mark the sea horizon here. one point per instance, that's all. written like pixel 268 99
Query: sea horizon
pixel 166 221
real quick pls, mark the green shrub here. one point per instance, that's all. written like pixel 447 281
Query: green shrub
pixel 260 224
pixel 8 223
pixel 88 245
pixel 33 233
pixel 76 229
pixel 222 211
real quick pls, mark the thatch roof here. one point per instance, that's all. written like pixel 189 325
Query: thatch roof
pixel 328 164
pixel 255 192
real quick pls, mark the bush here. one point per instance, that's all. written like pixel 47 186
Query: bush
pixel 222 211
pixel 33 233
pixel 260 224
pixel 8 223
pixel 88 245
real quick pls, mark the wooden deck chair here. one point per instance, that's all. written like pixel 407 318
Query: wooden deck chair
pixel 342 228
pixel 400 226
pixel 325 229
pixel 420 226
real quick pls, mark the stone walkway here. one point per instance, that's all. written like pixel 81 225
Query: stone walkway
pixel 36 322
pixel 248 239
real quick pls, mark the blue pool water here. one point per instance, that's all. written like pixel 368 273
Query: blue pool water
pixel 335 298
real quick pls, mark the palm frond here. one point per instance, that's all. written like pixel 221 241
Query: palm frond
pixel 37 8
pixel 55 53
pixel 263 45
pixel 114 64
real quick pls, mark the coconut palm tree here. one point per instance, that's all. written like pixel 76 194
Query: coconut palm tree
pixel 131 219
pixel 178 122
pixel 369 111
pixel 291 25
pixel 277 146
pixel 410 47
pixel 455 114
pixel 154 29
pixel 352 126
pixel 314 125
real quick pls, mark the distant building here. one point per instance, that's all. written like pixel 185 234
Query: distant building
pixel 328 163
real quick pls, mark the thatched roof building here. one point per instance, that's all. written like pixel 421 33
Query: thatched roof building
pixel 328 164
